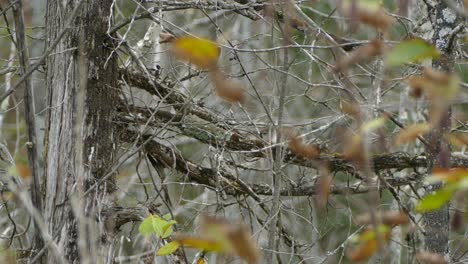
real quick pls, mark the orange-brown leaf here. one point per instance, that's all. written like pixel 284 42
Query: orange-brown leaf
pixel 323 186
pixel 377 19
pixel 390 218
pixel 430 258
pixel 350 109
pixel 363 251
pixel 23 170
pixel 298 147
pixel 412 132
pixel 226 89
pixel 457 139
pixel 359 55
pixel 439 86
pixel 236 235
pixel 368 242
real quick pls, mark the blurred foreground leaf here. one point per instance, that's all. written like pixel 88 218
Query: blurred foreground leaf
pixel 414 50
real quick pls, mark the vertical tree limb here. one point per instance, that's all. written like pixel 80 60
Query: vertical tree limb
pixel 33 157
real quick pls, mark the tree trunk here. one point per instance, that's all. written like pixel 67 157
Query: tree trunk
pixel 438 152
pixel 81 85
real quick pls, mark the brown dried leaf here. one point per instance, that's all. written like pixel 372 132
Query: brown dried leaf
pixel 368 243
pixel 323 187
pixel 297 23
pixel 412 132
pixel 367 12
pixel 417 86
pixel 225 89
pixel 457 138
pixel 390 218
pixel 166 37
pixel 439 86
pixel 350 109
pixel 430 258
pixel 377 19
pixel 359 55
pixel 353 148
pixel 363 252
pixel 236 234
pixel 298 147
pixel 439 77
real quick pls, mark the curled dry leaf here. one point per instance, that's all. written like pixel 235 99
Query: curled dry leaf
pixel 367 243
pixel 323 187
pixel 412 132
pixel 390 218
pixel 350 109
pixel 226 89
pixel 297 23
pixel 457 138
pixel 437 85
pixel 237 234
pixel 166 37
pixel 430 258
pixel 377 19
pixel 416 84
pixel 439 77
pixel 219 235
pixel 359 55
pixel 353 148
pixel 368 12
pixel 297 146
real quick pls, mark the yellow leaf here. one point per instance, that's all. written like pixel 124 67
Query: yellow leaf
pixel 168 249
pixel 201 261
pixel 202 53
pixel 373 124
pixel 202 244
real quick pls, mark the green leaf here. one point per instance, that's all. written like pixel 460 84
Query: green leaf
pixel 436 200
pixel 167 229
pixel 146 227
pixel 153 224
pixel 414 50
pixel 167 249
pixel 167 217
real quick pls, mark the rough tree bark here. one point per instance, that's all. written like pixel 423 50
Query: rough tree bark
pixel 437 225
pixel 81 85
